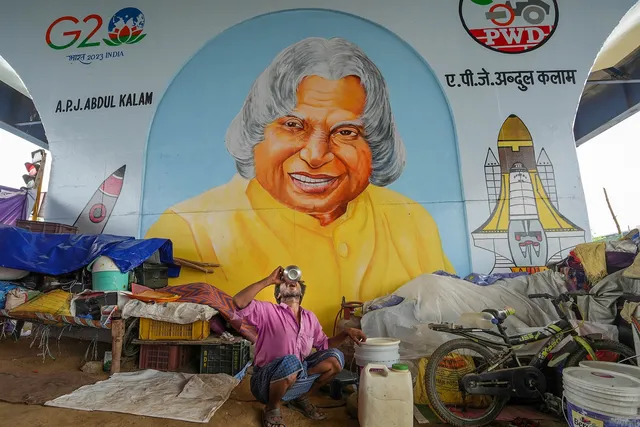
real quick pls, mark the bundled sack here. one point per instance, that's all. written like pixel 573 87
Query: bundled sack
pixel 5 288
pixel 15 298
pixel 451 370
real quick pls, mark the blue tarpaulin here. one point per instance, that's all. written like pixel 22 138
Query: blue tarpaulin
pixel 55 254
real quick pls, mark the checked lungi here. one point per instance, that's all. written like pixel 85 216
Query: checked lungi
pixel 282 367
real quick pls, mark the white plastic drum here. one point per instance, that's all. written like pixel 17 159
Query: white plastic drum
pixel 607 398
pixel 630 370
pixel 12 274
pixel 384 351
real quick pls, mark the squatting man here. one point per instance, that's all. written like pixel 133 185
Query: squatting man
pixel 285 369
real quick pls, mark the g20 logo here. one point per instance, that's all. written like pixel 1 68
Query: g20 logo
pixel 125 27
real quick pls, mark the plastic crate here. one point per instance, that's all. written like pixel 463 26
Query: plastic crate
pixel 46 227
pixel 164 357
pixel 154 276
pixel 154 330
pixel 224 358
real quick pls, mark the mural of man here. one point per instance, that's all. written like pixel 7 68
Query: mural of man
pixel 315 143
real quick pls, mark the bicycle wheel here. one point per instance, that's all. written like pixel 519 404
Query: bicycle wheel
pixel 444 407
pixel 129 349
pixel 623 352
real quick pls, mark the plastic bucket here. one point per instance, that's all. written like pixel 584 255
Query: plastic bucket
pixel 603 398
pixel 578 416
pixel 630 370
pixel 383 351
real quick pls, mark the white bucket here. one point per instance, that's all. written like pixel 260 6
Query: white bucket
pixel 630 370
pixel 384 351
pixel 601 397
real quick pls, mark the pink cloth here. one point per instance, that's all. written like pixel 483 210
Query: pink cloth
pixel 279 333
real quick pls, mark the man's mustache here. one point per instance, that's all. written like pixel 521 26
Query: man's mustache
pixel 291 293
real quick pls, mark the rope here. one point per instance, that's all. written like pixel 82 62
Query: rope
pixel 3 329
pixel 92 349
pixel 42 335
pixel 60 337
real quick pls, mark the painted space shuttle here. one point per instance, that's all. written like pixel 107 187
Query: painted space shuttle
pixel 525 228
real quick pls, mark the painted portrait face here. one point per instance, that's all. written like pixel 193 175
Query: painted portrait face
pixel 316 160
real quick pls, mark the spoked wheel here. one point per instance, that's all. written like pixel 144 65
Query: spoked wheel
pixel 129 349
pixel 606 351
pixel 448 364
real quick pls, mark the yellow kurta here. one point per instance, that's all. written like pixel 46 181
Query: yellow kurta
pixel 381 242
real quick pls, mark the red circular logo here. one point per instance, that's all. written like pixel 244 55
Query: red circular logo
pixel 97 213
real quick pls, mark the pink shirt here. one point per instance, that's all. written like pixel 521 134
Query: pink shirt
pixel 279 333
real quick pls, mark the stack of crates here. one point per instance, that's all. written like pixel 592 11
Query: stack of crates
pixel 169 357
pixel 227 359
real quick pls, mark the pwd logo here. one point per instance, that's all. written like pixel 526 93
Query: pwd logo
pixel 125 27
pixel 516 26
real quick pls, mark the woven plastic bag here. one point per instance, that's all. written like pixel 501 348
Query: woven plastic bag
pixel 54 302
pixel 451 369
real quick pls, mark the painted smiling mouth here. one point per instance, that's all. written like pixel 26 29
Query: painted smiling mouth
pixel 312 183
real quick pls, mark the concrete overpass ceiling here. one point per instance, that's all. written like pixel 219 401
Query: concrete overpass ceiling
pixel 624 39
pixel 612 93
pixel 18 114
pixel 10 77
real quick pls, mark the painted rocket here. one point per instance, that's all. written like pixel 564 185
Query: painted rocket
pixel 525 228
pixel 96 213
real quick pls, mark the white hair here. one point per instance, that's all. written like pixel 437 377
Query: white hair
pixel 274 95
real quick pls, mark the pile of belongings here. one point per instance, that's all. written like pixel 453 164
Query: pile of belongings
pixel 184 304
pixel 589 263
pixel 608 271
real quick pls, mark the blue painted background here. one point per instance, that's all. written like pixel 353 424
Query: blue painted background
pixel 186 153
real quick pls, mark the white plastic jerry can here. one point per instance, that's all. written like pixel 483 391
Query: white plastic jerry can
pixel 385 396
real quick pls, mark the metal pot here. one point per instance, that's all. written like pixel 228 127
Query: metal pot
pixel 292 273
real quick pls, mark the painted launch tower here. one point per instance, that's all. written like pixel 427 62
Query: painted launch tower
pixel 525 231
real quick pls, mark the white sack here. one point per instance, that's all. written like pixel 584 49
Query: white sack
pixel 181 313
pixel 437 299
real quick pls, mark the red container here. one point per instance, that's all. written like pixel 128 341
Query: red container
pixel 165 357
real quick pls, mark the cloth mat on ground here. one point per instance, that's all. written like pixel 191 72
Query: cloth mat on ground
pixel 203 293
pixel 172 395
pixel 37 388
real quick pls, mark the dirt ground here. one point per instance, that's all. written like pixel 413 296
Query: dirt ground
pixel 19 358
